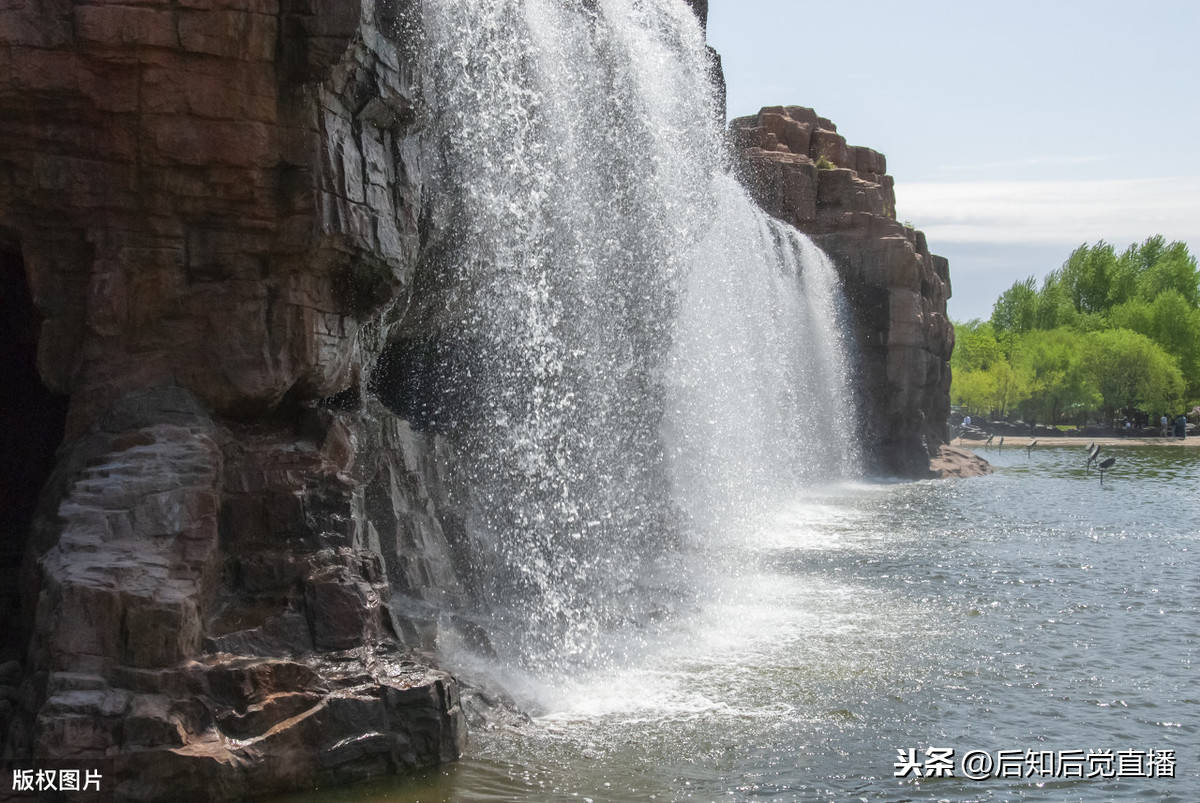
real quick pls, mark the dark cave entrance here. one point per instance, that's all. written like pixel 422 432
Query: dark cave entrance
pixel 32 420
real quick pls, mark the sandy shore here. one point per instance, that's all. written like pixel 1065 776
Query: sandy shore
pixel 1082 443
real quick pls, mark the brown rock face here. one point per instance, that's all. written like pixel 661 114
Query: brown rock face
pixel 800 169
pixel 211 209
pixel 951 462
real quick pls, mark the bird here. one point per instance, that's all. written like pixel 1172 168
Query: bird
pixel 1093 453
pixel 989 440
pixel 1105 465
pixel 1029 448
pixel 1002 443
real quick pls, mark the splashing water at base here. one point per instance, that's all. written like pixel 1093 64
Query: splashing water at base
pixel 1030 610
pixel 645 359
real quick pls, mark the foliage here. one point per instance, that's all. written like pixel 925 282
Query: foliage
pixel 975 346
pixel 1132 371
pixel 973 390
pixel 1104 333
pixel 1059 384
pixel 1016 309
pixel 1088 276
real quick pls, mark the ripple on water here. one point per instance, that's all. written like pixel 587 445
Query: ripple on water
pixel 1026 610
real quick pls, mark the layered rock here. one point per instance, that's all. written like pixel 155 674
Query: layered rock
pixel 800 169
pixel 212 213
pixel 241 558
pixel 240 555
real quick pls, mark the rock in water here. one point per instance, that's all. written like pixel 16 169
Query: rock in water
pixel 952 461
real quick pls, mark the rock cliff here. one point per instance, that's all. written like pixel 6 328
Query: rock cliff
pixel 224 561
pixel 209 219
pixel 800 169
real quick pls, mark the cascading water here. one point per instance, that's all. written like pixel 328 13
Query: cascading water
pixel 641 356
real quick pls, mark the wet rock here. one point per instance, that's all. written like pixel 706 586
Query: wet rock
pixel 218 206
pixel 701 9
pixel 799 169
pixel 951 461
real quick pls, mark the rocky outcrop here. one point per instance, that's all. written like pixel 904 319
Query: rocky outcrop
pixel 953 462
pixel 240 556
pixel 800 169
pixel 211 219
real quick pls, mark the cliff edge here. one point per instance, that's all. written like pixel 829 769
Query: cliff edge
pixel 800 169
pixel 229 561
pixel 209 220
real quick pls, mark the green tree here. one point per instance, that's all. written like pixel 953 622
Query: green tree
pixel 975 346
pixel 1171 322
pixel 1134 315
pixel 1088 275
pixel 1130 370
pixel 1102 331
pixel 1016 309
pixel 1012 386
pixel 1123 284
pixel 1175 325
pixel 1059 384
pixel 1054 305
pixel 973 389
pixel 1173 268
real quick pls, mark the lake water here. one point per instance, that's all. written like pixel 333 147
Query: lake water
pixel 1031 610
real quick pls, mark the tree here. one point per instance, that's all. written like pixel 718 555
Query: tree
pixel 1175 325
pixel 974 390
pixel 1059 384
pixel 1174 269
pixel 1133 315
pixel 975 346
pixel 1054 305
pixel 1130 370
pixel 1102 331
pixel 1171 322
pixel 1088 276
pixel 1012 387
pixel 1016 309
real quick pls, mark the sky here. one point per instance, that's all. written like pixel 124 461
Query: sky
pixel 1015 131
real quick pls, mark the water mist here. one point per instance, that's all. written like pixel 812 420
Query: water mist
pixel 644 358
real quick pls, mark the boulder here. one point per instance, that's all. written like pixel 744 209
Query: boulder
pixel 953 462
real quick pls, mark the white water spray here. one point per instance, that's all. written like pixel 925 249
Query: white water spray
pixel 647 358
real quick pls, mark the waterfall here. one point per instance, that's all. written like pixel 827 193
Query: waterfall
pixel 640 357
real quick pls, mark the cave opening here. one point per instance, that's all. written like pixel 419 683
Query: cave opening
pixel 32 421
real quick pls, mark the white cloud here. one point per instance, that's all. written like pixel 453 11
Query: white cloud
pixel 1032 161
pixel 1053 211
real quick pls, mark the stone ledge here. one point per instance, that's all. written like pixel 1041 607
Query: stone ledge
pixel 953 462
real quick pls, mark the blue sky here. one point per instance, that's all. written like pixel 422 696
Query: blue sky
pixel 1015 131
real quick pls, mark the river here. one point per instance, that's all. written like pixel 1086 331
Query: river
pixel 1033 610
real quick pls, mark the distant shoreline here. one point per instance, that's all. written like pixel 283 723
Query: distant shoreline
pixel 1077 440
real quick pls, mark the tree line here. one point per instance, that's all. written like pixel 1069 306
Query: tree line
pixel 1103 336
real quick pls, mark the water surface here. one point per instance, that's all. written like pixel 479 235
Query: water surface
pixel 1033 609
